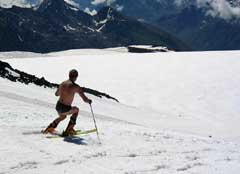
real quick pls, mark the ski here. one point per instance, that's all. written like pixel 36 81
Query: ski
pixel 79 132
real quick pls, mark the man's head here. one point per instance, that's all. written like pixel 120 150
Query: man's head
pixel 73 74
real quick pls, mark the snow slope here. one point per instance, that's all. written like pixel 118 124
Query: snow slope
pixel 178 113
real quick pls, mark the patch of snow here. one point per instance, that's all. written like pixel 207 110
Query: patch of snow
pixel 91 12
pixel 12 72
pixel 20 38
pixel 141 20
pixel 107 2
pixel 100 29
pixel 19 54
pixel 109 15
pixel 69 28
pixel 103 21
pixel 10 3
pixel 91 29
pixel 72 3
pixel 119 7
pixel 73 8
pixel 20 23
pixel 102 24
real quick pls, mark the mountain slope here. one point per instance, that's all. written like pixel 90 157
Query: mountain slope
pixel 52 27
pixel 212 29
pixel 220 19
pixel 128 31
pixel 56 25
pixel 203 32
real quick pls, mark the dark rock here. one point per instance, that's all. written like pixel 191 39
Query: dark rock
pixel 146 49
pixel 7 72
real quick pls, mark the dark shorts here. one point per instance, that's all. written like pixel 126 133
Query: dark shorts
pixel 62 108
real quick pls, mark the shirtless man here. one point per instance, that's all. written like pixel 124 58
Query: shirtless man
pixel 66 92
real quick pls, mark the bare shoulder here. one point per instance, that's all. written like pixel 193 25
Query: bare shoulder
pixel 66 83
pixel 61 84
pixel 77 88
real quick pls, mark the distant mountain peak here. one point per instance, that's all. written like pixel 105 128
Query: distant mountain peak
pixel 56 5
pixel 55 26
pixel 109 13
pixel 51 4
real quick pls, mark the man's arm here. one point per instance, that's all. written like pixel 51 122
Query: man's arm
pixel 83 96
pixel 57 93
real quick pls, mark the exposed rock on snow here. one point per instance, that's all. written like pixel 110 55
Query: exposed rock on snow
pixel 146 49
pixel 6 71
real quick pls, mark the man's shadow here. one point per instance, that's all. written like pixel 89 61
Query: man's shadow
pixel 75 140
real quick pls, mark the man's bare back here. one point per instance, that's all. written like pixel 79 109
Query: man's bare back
pixel 66 92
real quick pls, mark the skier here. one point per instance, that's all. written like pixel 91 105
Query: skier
pixel 66 92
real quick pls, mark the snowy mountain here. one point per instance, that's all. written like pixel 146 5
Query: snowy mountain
pixel 57 25
pixel 26 3
pixel 140 9
pixel 203 32
pixel 178 113
pixel 217 17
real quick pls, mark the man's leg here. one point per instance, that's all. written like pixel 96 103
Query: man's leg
pixel 74 111
pixel 72 121
pixel 58 120
pixel 54 124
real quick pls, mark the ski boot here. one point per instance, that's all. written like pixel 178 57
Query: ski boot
pixel 50 129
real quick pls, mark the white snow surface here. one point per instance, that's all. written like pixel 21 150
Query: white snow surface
pixel 178 113
pixel 12 72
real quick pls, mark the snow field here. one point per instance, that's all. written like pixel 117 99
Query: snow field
pixel 178 114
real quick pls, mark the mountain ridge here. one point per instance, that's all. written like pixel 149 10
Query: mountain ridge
pixel 219 17
pixel 202 32
pixel 56 25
